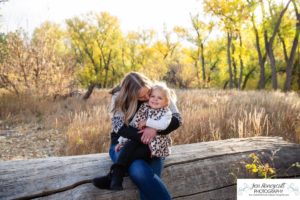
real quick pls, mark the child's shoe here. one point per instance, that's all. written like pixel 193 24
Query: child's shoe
pixel 103 182
pixel 118 172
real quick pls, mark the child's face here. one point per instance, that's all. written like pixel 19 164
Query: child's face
pixel 157 99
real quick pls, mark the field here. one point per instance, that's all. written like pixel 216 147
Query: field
pixel 31 127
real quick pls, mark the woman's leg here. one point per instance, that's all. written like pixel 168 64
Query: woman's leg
pixel 146 178
pixel 157 165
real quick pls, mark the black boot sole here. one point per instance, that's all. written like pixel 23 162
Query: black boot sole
pixel 116 188
pixel 102 182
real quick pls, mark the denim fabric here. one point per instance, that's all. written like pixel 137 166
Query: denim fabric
pixel 146 176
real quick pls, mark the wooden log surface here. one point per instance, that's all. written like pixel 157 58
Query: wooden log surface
pixel 206 170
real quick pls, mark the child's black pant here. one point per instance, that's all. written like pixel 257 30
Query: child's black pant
pixel 131 151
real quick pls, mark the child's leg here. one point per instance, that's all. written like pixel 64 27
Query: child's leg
pixel 142 152
pixel 132 151
pixel 103 182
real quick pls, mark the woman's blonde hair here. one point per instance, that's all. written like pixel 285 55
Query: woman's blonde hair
pixel 169 94
pixel 127 99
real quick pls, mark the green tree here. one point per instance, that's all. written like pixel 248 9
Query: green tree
pixel 269 41
pixel 202 31
pixel 96 41
pixel 231 14
pixel 253 5
pixel 291 58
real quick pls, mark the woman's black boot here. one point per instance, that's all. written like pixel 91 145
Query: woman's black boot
pixel 118 172
pixel 103 182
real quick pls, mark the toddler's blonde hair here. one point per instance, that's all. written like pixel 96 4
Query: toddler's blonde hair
pixel 169 94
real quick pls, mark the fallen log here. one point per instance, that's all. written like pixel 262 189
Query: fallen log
pixel 206 170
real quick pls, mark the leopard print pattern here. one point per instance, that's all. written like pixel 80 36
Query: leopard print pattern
pixel 141 115
pixel 145 111
pixel 160 145
pixel 117 123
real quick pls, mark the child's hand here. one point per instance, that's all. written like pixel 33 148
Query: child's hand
pixel 141 125
pixel 118 147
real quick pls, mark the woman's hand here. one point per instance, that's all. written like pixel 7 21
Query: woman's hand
pixel 141 125
pixel 148 135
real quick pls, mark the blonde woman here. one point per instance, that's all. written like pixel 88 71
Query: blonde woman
pixel 126 99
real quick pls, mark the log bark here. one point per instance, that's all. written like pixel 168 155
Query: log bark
pixel 206 170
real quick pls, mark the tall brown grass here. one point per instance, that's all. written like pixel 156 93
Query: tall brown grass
pixel 214 114
pixel 207 115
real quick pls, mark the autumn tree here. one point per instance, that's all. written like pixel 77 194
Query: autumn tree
pixel 269 40
pixel 231 13
pixel 202 31
pixel 290 60
pixel 95 41
pixel 140 52
pixel 53 65
pixel 253 5
pixel 40 65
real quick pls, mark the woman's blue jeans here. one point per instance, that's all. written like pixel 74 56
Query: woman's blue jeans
pixel 146 176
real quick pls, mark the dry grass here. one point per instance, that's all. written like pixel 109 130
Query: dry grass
pixel 208 115
pixel 213 115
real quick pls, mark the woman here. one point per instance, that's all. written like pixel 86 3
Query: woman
pixel 126 99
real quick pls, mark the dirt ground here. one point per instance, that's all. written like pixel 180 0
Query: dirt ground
pixel 28 142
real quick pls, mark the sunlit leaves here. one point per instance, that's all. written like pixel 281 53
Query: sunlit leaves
pixel 97 41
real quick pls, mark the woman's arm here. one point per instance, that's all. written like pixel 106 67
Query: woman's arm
pixel 120 128
pixel 174 124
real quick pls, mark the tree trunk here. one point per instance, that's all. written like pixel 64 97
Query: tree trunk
pixel 211 69
pixel 203 63
pixel 107 63
pixel 261 83
pixel 197 73
pixel 229 41
pixel 241 62
pixel 297 63
pixel 234 65
pixel 269 47
pixel 286 58
pixel 247 78
pixel 289 67
pixel 270 53
pixel 89 91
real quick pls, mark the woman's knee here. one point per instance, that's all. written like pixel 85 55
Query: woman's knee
pixel 140 171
